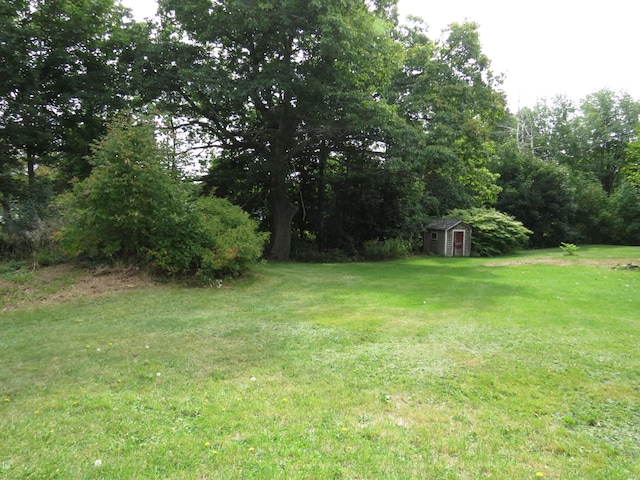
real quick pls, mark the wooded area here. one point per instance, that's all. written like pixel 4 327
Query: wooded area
pixel 329 122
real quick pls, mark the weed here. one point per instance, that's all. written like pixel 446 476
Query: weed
pixel 568 249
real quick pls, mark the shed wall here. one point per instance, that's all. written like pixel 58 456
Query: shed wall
pixel 435 246
pixel 444 243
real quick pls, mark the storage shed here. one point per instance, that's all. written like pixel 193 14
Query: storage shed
pixel 448 237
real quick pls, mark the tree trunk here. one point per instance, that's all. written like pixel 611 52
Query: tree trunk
pixel 31 170
pixel 5 188
pixel 283 213
pixel 6 207
pixel 324 155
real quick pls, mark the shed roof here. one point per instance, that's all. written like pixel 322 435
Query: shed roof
pixel 443 223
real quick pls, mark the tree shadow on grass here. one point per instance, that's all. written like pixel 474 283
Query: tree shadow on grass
pixel 409 284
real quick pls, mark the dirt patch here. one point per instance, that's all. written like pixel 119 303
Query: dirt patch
pixel 103 281
pixel 529 261
pixel 629 266
pixel 620 263
pixel 62 283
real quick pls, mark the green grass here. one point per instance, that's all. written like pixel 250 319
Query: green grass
pixel 424 368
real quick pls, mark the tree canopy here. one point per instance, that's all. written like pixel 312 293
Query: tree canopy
pixel 306 102
pixel 591 147
pixel 332 124
pixel 273 86
pixel 63 72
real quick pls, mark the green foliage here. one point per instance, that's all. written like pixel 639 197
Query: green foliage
pixel 129 197
pixel 590 138
pixel 35 244
pixel 386 249
pixel 8 269
pixel 448 96
pixel 568 249
pixel 230 238
pixel 592 219
pixel 632 169
pixel 494 232
pixel 133 208
pixel 606 127
pixel 541 194
pixel 625 210
pixel 214 240
pixel 28 223
pixel 275 83
pixel 595 141
pixel 62 74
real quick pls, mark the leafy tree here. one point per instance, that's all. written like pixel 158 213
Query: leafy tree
pixel 595 141
pixel 632 169
pixel 549 129
pixel 494 232
pixel 448 94
pixel 591 138
pixel 362 204
pixel 607 126
pixel 592 218
pixel 134 208
pixel 541 194
pixel 130 198
pixel 272 84
pixel 61 76
pixel 625 207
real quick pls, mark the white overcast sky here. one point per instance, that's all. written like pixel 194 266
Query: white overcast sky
pixel 544 47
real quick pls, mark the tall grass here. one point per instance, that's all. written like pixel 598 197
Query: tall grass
pixel 525 367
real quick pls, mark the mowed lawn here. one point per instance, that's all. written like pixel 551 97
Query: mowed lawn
pixel 429 368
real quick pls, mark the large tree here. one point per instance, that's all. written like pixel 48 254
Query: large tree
pixel 277 86
pixel 60 76
pixel 549 129
pixel 607 126
pixel 450 97
pixel 632 169
pixel 539 193
pixel 591 138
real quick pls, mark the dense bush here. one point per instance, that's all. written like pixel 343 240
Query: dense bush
pixel 213 240
pixel 541 194
pixel 625 208
pixel 129 198
pixel 35 244
pixel 27 222
pixel 386 249
pixel 134 208
pixel 494 232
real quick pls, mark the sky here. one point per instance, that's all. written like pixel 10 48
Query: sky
pixel 544 48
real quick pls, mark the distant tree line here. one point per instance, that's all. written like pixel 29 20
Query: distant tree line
pixel 330 123
pixel 570 173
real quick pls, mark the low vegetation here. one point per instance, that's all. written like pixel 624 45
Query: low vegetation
pixel 494 233
pixel 520 367
pixel 134 208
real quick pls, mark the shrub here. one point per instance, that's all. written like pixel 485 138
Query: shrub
pixel 34 243
pixel 213 240
pixel 134 208
pixel 494 232
pixel 386 249
pixel 129 197
pixel 568 249
pixel 625 209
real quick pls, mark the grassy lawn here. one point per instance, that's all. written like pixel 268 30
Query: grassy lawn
pixel 510 368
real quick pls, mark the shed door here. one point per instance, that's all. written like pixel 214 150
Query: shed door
pixel 458 243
